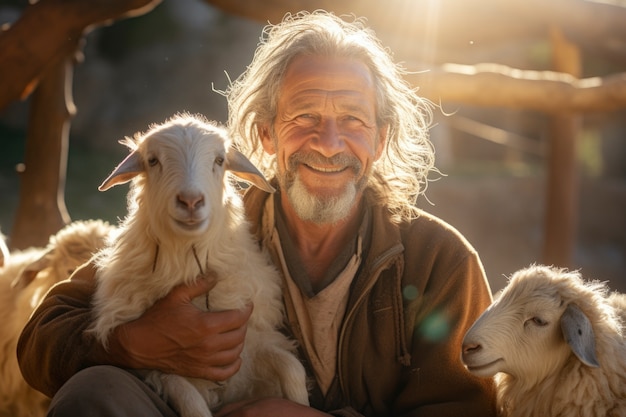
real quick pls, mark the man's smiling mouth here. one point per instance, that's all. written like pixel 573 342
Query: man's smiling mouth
pixel 325 169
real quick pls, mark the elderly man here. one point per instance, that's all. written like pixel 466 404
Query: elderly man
pixel 377 293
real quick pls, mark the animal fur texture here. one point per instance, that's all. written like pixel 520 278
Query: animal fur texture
pixel 555 344
pixel 4 250
pixel 185 218
pixel 24 280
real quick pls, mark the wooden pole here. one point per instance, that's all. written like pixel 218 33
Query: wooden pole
pixel 43 61
pixel 41 209
pixel 562 175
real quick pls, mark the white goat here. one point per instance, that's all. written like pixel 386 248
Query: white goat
pixel 24 279
pixel 555 344
pixel 186 218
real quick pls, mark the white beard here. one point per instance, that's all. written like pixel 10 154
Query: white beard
pixel 320 210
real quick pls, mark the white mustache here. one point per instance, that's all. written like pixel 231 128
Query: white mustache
pixel 335 163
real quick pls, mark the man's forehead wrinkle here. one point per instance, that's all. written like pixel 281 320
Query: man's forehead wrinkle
pixel 340 99
pixel 313 93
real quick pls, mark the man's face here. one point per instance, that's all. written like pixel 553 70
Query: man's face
pixel 325 136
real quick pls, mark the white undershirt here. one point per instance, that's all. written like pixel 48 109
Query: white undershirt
pixel 321 315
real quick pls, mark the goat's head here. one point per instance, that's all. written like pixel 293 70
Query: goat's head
pixel 534 326
pixel 178 169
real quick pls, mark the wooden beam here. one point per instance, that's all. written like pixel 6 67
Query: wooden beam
pixel 450 24
pixel 494 85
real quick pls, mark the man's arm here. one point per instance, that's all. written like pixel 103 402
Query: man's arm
pixel 172 336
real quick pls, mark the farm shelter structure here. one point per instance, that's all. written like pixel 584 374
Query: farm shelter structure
pixel 466 56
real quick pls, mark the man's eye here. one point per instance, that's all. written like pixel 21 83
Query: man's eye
pixel 353 120
pixel 306 119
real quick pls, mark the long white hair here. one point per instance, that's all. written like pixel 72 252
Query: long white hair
pixel 401 173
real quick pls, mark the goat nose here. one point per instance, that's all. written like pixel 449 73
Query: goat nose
pixel 469 348
pixel 190 201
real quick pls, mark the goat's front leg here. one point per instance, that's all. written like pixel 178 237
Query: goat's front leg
pixel 182 394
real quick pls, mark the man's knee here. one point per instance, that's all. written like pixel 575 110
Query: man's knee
pixel 107 391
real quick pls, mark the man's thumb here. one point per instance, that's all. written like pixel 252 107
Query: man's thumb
pixel 201 286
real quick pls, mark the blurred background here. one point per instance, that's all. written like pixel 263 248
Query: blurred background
pixel 493 159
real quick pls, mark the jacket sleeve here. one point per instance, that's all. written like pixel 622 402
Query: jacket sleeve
pixel 53 346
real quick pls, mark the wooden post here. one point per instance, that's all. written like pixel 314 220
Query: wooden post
pixel 41 209
pixel 42 55
pixel 562 174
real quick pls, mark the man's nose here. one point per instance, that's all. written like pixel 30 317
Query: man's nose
pixel 329 141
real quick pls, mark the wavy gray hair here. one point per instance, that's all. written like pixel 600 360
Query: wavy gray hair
pixel 401 173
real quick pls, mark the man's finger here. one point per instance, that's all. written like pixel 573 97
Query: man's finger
pixel 199 287
pixel 221 373
pixel 219 322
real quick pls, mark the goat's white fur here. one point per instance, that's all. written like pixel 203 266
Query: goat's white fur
pixel 180 202
pixel 4 250
pixel 555 344
pixel 25 278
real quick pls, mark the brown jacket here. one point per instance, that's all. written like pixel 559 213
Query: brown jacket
pixel 421 287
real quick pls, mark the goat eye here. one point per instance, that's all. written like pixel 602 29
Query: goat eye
pixel 219 161
pixel 153 161
pixel 537 321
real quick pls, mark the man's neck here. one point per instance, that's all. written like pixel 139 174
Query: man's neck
pixel 319 244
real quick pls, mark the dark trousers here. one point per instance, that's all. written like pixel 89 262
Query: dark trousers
pixel 108 391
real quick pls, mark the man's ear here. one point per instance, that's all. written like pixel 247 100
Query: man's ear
pixel 266 139
pixel 382 140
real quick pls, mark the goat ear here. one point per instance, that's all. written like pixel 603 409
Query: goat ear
pixel 238 164
pixel 30 271
pixel 579 335
pixel 128 169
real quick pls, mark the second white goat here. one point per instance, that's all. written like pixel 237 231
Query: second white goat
pixel 186 218
pixel 25 278
pixel 555 344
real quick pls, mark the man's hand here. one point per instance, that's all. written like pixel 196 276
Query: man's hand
pixel 268 407
pixel 176 337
